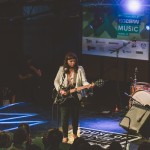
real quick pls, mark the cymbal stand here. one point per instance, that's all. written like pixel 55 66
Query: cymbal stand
pixel 133 86
pixel 135 78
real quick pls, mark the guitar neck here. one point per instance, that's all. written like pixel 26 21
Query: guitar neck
pixel 98 83
pixel 79 88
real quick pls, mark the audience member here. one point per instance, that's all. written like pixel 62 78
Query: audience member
pixel 144 146
pixel 96 147
pixel 19 139
pixel 33 147
pixel 5 140
pixel 27 128
pixel 80 144
pixel 52 139
pixel 115 146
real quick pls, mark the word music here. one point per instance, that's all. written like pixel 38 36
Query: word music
pixel 128 28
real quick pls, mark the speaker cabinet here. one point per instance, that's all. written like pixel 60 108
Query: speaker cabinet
pixel 137 120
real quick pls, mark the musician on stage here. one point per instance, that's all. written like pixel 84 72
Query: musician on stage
pixel 70 76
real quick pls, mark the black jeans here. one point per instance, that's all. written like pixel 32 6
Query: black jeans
pixel 70 109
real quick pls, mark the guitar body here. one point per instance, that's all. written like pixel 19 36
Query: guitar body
pixel 60 99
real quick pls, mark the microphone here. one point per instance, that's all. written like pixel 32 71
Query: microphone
pixel 136 69
pixel 127 95
pixel 139 119
pixel 65 70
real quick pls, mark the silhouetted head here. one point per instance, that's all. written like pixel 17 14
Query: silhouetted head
pixel 20 136
pixel 96 147
pixel 53 138
pixel 5 139
pixel 115 146
pixel 80 144
pixel 25 126
pixel 144 146
pixel 33 147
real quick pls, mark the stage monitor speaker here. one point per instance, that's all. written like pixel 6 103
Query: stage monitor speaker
pixel 137 120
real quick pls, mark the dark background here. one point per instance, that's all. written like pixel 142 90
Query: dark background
pixel 47 38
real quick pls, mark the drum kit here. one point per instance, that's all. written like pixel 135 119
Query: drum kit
pixel 140 92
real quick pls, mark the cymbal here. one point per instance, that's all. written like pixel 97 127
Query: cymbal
pixel 143 83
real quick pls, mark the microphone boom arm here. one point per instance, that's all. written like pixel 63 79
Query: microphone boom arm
pixel 132 98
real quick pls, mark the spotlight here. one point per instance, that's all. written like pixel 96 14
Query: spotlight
pixel 133 6
pixel 147 27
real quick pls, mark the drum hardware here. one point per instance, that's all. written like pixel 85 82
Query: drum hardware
pixel 141 97
pixel 137 86
pixel 133 99
pixel 135 77
pixel 134 81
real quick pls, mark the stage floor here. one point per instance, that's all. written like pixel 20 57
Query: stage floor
pixel 41 117
pixel 44 117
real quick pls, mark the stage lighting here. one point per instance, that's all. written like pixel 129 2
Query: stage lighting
pixel 147 27
pixel 133 6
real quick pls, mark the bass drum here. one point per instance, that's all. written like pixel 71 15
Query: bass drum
pixel 141 97
pixel 139 86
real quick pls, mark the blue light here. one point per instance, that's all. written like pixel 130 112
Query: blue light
pixel 12 120
pixel 19 114
pixel 29 122
pixel 3 107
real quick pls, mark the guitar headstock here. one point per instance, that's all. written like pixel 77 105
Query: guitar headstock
pixel 99 82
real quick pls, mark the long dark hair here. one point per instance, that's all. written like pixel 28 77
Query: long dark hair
pixel 69 56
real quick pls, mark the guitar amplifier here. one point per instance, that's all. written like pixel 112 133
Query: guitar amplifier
pixel 137 120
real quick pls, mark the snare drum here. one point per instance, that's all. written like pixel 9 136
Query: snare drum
pixel 141 97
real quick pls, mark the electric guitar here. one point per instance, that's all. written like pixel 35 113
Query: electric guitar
pixel 60 99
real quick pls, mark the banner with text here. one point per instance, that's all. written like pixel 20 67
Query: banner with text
pixel 113 34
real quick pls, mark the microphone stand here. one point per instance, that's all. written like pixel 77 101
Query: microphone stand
pixel 127 130
pixel 133 99
pixel 135 79
pixel 129 117
pixel 117 56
